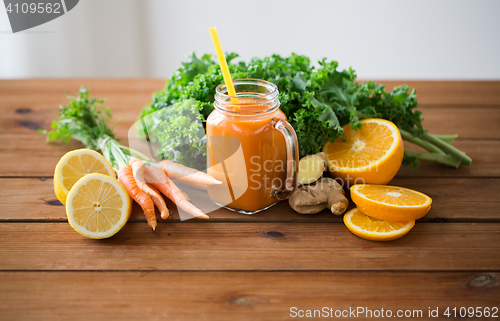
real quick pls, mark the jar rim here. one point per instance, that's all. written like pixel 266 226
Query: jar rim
pixel 222 99
pixel 220 87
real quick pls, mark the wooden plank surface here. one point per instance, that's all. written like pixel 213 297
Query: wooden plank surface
pixel 28 105
pixel 249 246
pixel 237 266
pixel 484 154
pixel 17 158
pixel 428 92
pixel 236 295
pixel 474 122
pixel 454 200
pixel 452 92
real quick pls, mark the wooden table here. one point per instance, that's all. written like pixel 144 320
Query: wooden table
pixel 238 267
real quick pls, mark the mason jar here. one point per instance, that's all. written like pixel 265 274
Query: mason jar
pixel 251 148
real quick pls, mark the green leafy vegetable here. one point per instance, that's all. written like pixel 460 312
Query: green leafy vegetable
pixel 316 102
pixel 83 120
pixel 180 132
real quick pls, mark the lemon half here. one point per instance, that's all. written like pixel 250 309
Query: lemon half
pixel 76 164
pixel 97 206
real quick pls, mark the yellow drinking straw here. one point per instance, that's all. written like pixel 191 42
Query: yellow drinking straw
pixel 223 66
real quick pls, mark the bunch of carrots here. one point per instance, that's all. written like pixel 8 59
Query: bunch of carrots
pixel 82 120
pixel 144 184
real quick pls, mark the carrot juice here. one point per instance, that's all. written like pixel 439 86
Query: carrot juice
pixel 250 148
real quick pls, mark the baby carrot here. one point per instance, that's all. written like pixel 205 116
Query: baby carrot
pixel 186 196
pixel 126 178
pixel 183 173
pixel 164 214
pixel 199 186
pixel 157 177
pixel 138 168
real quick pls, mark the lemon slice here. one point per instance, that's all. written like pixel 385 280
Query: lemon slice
pixel 373 229
pixel 97 206
pixel 76 164
pixel 391 203
pixel 370 155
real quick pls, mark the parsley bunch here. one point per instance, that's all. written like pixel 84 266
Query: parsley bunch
pixel 84 120
pixel 316 102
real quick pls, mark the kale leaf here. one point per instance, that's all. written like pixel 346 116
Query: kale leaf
pixel 316 101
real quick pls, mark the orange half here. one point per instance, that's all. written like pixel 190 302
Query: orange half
pixel 374 229
pixel 370 155
pixel 390 203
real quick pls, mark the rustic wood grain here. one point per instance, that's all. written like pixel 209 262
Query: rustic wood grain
pixel 234 295
pixel 30 156
pixel 451 92
pixel 249 246
pixel 28 105
pixel 485 155
pixel 429 92
pixel 454 200
pixel 237 267
pixel 473 122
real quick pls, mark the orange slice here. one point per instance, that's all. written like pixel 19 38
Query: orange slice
pixel 390 203
pixel 369 155
pixel 374 229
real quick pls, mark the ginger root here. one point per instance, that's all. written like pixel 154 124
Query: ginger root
pixel 325 193
pixel 311 168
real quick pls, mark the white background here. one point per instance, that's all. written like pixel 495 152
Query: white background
pixel 390 39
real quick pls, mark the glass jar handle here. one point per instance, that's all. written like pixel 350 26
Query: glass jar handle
pixel 292 159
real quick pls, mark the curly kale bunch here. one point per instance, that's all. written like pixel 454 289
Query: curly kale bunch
pixel 316 101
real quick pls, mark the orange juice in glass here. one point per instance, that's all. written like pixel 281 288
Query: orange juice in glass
pixel 251 148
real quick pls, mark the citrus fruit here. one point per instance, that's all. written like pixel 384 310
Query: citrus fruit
pixel 371 154
pixel 97 206
pixel 76 164
pixel 390 203
pixel 374 229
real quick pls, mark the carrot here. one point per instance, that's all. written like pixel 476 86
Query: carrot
pixel 126 178
pixel 158 205
pixel 138 168
pixel 181 172
pixel 191 184
pixel 157 177
pixel 186 196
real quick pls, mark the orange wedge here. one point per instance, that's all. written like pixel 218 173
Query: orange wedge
pixel 390 203
pixel 369 155
pixel 374 229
